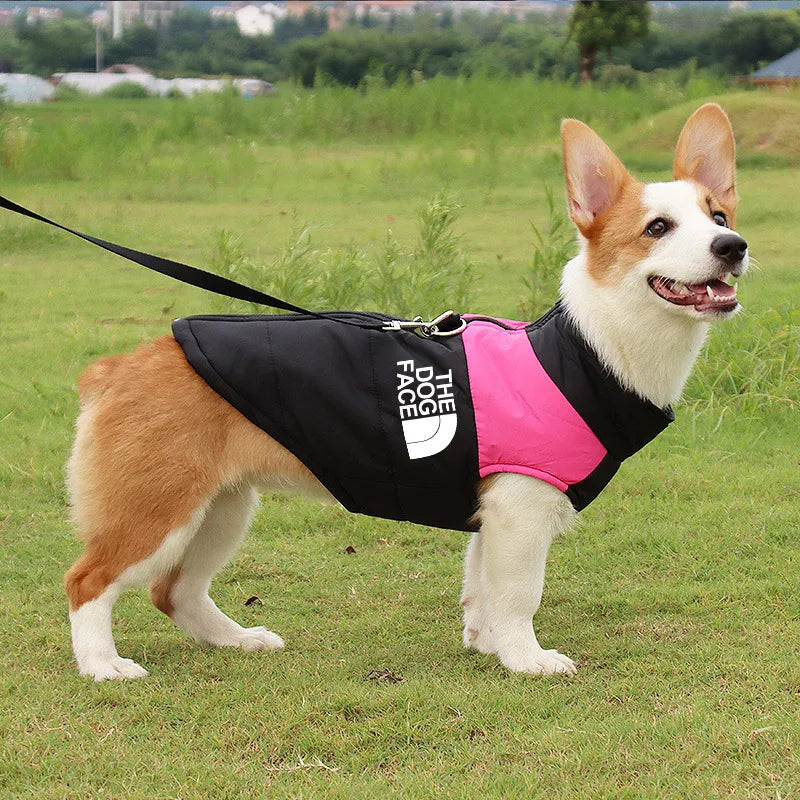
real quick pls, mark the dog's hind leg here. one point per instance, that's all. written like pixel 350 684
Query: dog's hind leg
pixel 520 516
pixel 95 582
pixel 182 593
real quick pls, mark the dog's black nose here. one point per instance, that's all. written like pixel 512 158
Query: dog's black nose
pixel 729 247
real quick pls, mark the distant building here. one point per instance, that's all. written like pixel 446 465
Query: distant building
pixel 297 8
pixel 20 88
pixel 384 9
pixel 125 13
pixel 96 83
pixel 100 18
pixel 253 20
pixel 154 14
pixel 337 15
pixel 521 8
pixel 42 14
pixel 784 71
pixel 222 12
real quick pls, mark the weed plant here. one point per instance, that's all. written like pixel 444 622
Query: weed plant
pixel 552 248
pixel 425 279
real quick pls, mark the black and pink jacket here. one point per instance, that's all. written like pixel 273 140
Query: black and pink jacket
pixel 402 427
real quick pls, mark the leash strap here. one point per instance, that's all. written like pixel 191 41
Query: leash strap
pixel 446 324
pixel 181 272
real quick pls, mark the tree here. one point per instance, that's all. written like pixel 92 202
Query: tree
pixel 596 24
pixel 312 23
pixel 747 40
pixel 58 46
pixel 138 42
pixel 12 53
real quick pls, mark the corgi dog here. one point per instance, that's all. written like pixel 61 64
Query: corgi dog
pixel 164 472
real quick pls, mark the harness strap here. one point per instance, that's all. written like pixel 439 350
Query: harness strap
pixel 183 272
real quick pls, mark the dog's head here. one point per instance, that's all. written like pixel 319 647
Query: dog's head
pixel 668 244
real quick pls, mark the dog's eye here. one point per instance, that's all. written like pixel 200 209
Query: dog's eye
pixel 658 227
pixel 720 219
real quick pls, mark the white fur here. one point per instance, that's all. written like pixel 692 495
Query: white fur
pixel 195 613
pixel 504 572
pixel 684 254
pixel 93 643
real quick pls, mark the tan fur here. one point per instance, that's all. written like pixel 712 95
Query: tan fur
pixel 595 177
pixel 96 377
pixel 161 591
pixel 617 243
pixel 605 203
pixel 159 442
pixel 708 130
pixel 709 202
pixel 715 180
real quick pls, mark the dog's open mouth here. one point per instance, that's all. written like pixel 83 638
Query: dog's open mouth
pixel 713 295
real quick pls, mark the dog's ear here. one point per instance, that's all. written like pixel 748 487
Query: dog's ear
pixel 706 153
pixel 595 176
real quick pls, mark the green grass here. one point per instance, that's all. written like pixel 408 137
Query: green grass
pixel 677 595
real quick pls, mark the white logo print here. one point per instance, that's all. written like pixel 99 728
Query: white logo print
pixel 423 398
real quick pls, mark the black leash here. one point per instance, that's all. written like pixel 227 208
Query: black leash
pixel 446 324
pixel 182 272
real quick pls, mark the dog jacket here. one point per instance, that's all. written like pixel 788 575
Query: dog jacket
pixel 399 426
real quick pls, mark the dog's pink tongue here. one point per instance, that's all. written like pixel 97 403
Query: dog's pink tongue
pixel 720 288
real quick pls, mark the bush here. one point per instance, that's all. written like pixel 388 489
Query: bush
pixel 396 280
pixel 127 90
pixel 619 75
pixel 66 92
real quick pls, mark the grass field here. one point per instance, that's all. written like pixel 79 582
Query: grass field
pixel 677 596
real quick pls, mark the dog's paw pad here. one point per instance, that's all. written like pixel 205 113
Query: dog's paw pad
pixel 113 669
pixel 259 638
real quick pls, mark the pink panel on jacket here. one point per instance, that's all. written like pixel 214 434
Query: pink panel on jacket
pixel 524 423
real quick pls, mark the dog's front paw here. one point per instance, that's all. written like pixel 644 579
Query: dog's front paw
pixel 535 661
pixel 259 638
pixel 111 669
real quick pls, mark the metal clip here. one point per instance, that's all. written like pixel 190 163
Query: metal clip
pixel 425 329
pixel 402 324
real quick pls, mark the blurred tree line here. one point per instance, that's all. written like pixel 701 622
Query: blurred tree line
pixel 414 46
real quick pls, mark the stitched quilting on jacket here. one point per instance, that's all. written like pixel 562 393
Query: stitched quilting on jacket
pixel 398 426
